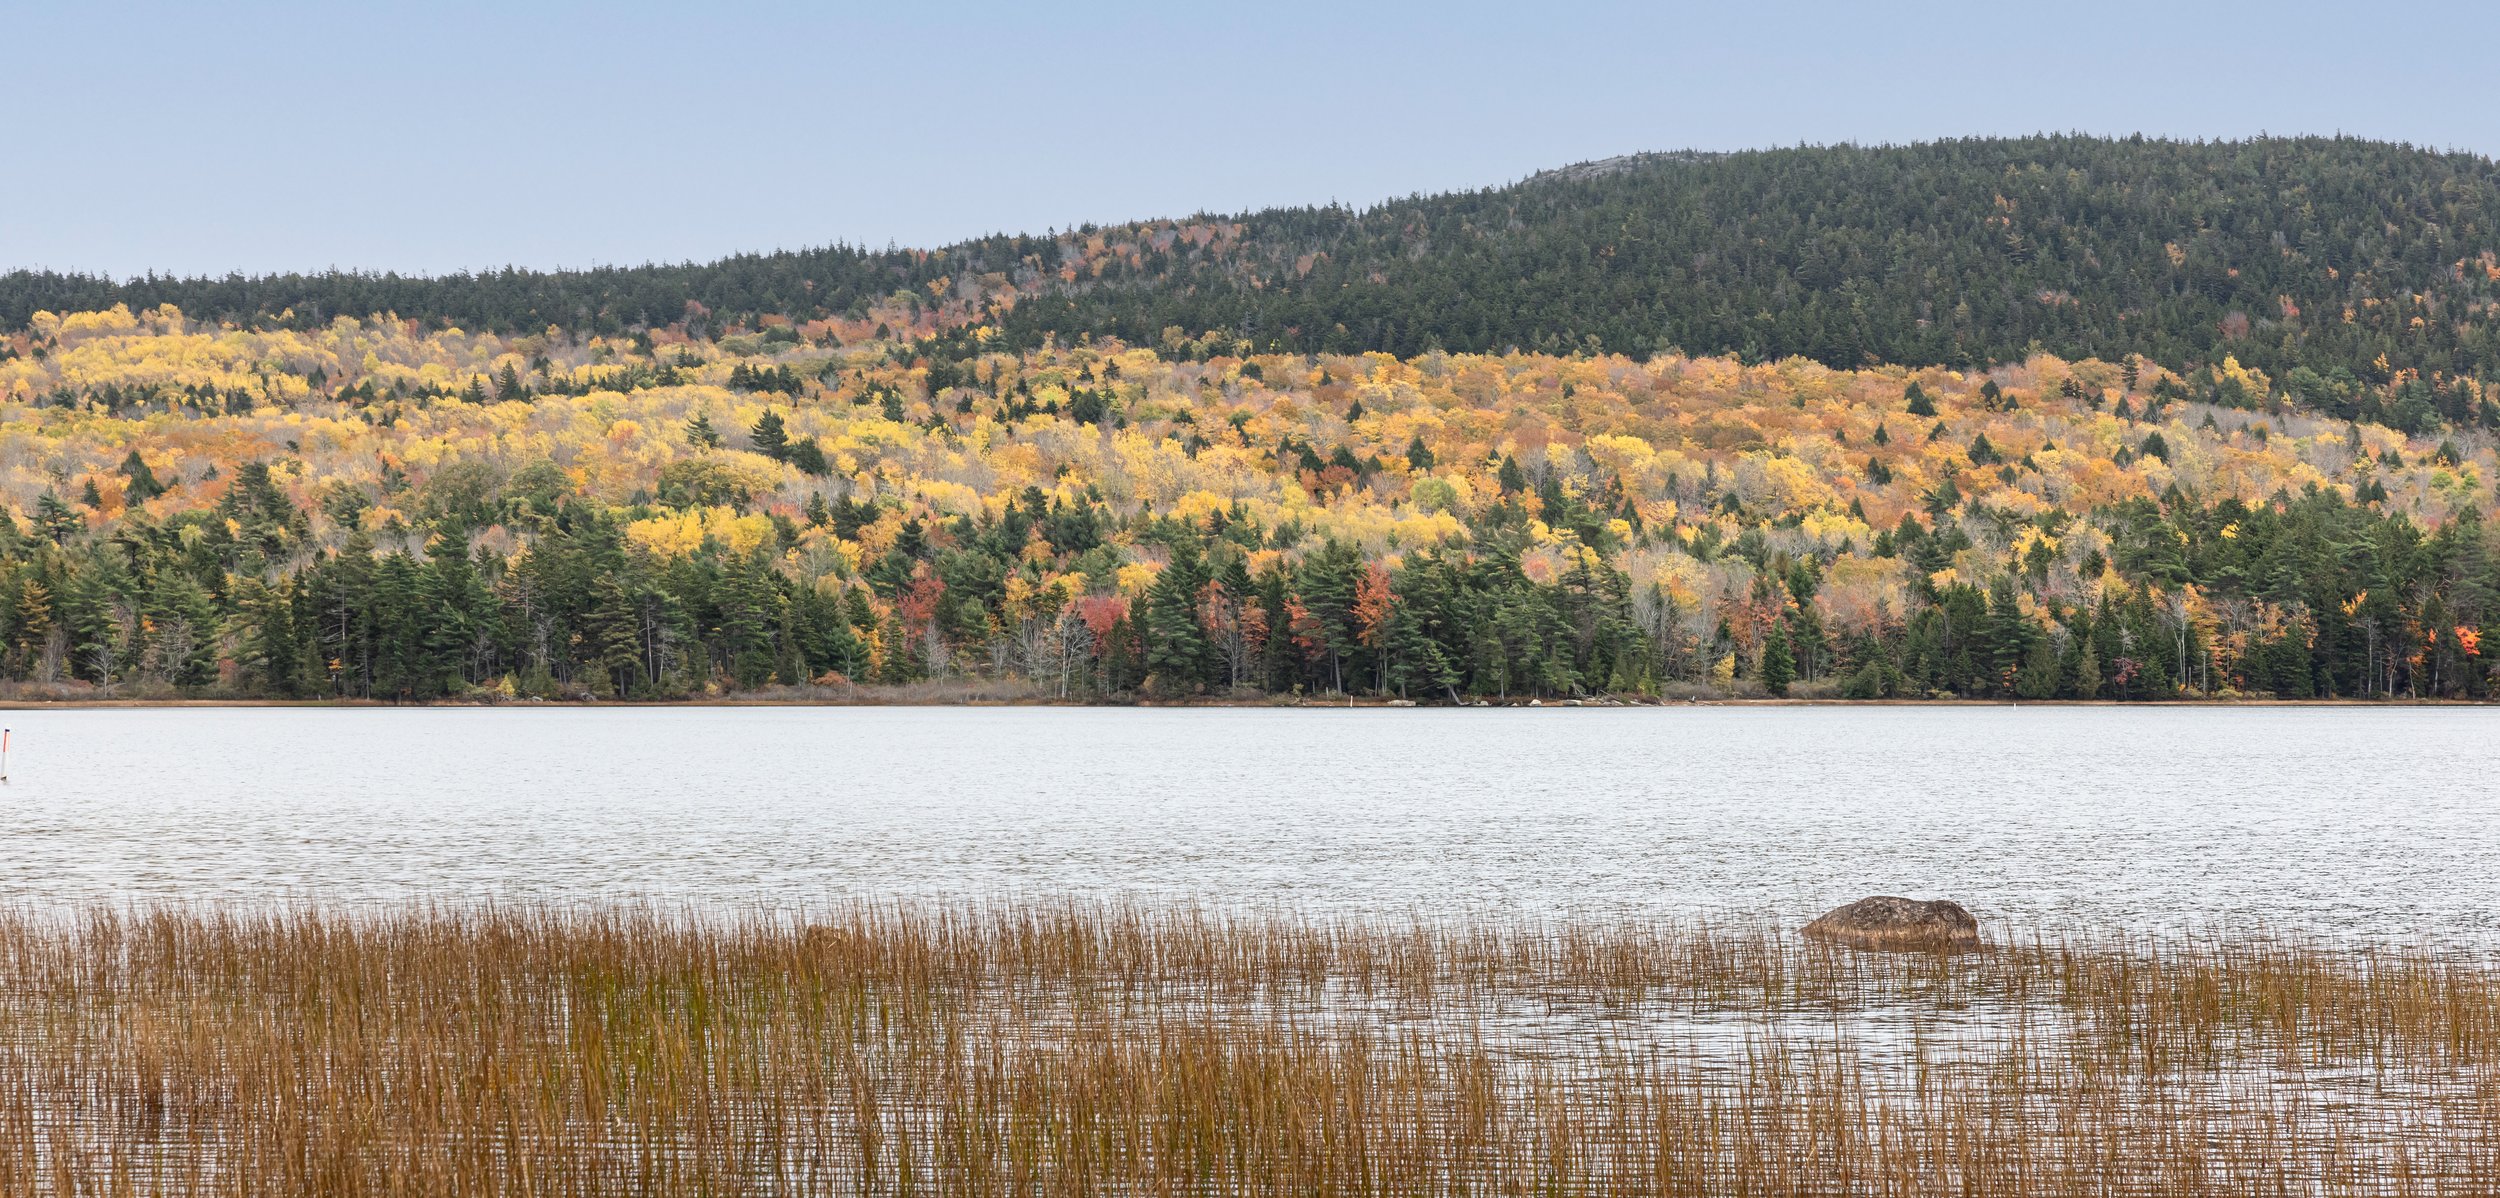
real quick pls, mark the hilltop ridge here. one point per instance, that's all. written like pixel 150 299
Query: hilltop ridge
pixel 2370 266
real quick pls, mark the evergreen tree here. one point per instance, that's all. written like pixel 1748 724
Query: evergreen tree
pixel 749 616
pixel 1177 652
pixel 140 483
pixel 612 637
pixel 30 627
pixel 271 651
pixel 700 433
pixel 55 518
pixel 1512 479
pixel 1779 665
pixel 771 438
pixel 2042 671
pixel 455 608
pixel 2087 683
pixel 1418 455
pixel 2008 638
pixel 809 457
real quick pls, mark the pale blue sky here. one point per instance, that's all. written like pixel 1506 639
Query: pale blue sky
pixel 259 135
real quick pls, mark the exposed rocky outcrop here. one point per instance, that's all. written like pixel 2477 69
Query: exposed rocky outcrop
pixel 1888 922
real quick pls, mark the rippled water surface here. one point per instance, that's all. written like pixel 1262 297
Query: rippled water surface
pixel 2378 823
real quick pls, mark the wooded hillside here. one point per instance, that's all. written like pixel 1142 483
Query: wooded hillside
pixel 2360 276
pixel 379 509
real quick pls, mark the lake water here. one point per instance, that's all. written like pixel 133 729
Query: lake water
pixel 2381 824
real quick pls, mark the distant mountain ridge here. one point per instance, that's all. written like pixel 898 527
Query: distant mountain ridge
pixel 2369 265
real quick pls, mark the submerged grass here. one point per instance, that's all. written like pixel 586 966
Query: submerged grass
pixel 1039 1049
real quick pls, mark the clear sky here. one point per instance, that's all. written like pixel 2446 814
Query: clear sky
pixel 259 135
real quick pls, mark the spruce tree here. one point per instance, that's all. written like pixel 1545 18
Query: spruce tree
pixel 2042 672
pixel 771 438
pixel 611 636
pixel 1418 455
pixel 1779 663
pixel 456 606
pixel 1176 646
pixel 2087 680
pixel 700 433
pixel 809 457
pixel 140 483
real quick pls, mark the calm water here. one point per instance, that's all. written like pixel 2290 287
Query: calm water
pixel 2382 824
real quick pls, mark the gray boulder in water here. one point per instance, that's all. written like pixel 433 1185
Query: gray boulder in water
pixel 1897 923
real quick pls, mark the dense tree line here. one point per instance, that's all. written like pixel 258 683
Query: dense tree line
pixel 2360 275
pixel 802 283
pixel 2358 603
pixel 2362 604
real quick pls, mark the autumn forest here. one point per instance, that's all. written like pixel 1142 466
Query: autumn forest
pixel 969 484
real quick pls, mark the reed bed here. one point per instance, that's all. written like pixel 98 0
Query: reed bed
pixel 1063 1049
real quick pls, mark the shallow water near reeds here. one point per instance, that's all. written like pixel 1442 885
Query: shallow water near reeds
pixel 1036 1049
pixel 2350 822
pixel 1089 951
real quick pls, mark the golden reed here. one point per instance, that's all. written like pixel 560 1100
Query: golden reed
pixel 1041 1049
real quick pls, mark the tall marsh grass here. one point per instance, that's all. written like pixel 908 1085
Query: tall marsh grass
pixel 1038 1049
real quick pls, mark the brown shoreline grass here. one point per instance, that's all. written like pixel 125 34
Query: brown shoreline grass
pixel 1049 1049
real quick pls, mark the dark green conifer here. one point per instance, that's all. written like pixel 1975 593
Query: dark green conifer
pixel 771 438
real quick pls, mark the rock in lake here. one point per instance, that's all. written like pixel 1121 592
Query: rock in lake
pixel 1887 922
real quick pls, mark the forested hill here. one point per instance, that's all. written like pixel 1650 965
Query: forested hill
pixel 2337 266
pixel 2325 253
